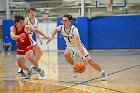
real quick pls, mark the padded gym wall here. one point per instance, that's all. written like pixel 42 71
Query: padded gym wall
pixel 83 28
pixel 115 32
pixel 6 24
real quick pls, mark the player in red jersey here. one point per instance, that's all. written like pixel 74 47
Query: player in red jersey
pixel 19 33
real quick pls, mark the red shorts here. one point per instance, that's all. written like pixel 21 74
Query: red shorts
pixel 22 49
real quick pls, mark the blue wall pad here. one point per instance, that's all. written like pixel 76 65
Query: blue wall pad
pixel 82 24
pixel 115 32
pixel 6 30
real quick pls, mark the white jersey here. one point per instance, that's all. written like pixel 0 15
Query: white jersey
pixel 35 24
pixel 70 35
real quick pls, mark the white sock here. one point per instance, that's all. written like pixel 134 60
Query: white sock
pixel 19 69
pixel 102 71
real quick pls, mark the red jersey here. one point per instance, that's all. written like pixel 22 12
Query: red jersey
pixel 25 44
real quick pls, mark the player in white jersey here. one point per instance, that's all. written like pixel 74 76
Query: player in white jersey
pixel 32 21
pixel 74 45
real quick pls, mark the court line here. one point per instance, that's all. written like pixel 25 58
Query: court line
pixel 106 88
pixel 98 78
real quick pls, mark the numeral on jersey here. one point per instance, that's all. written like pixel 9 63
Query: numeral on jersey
pixel 68 39
pixel 21 39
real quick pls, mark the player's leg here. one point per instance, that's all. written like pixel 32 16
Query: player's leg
pixel 29 56
pixel 4 48
pixel 68 54
pixel 89 60
pixel 21 63
pixel 8 49
pixel 38 53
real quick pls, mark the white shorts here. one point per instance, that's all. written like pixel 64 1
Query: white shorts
pixel 75 50
pixel 34 43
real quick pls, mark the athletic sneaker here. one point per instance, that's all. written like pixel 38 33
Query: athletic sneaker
pixel 104 76
pixel 40 71
pixel 28 76
pixel 8 53
pixel 34 70
pixel 21 73
pixel 74 74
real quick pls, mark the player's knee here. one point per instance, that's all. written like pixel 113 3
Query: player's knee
pixel 66 54
pixel 39 53
pixel 31 59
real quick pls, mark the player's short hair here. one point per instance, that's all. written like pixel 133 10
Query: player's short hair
pixel 31 9
pixel 68 16
pixel 17 18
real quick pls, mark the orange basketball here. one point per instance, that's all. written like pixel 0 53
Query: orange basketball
pixel 79 67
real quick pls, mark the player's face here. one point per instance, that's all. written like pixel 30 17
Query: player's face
pixel 32 14
pixel 66 21
pixel 20 23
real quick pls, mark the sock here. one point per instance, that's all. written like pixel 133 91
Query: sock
pixel 102 71
pixel 19 69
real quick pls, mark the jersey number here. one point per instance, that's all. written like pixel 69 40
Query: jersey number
pixel 68 39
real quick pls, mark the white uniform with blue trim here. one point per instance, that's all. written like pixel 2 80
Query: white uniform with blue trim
pixel 70 36
pixel 34 25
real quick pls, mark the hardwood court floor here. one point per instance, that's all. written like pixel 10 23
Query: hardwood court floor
pixel 123 68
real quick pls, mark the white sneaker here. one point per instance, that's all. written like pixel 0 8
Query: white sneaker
pixel 41 72
pixel 34 70
pixel 74 74
pixel 104 76
pixel 20 74
pixel 8 53
pixel 28 75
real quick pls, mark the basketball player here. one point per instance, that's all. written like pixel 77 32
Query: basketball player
pixel 74 45
pixel 20 33
pixel 32 21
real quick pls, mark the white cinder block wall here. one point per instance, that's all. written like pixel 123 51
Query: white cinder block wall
pixel 47 27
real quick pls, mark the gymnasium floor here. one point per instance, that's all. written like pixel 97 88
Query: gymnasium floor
pixel 123 68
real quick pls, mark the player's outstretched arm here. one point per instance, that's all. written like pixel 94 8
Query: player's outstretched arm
pixel 13 36
pixel 53 34
pixel 36 30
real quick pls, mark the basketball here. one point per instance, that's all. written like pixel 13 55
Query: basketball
pixel 79 67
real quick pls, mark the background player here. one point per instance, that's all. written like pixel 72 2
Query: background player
pixel 6 45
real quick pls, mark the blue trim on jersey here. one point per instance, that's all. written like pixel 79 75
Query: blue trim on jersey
pixel 72 30
pixel 87 55
pixel 83 45
pixel 68 32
